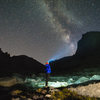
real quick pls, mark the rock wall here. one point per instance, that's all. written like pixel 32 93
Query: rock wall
pixel 87 56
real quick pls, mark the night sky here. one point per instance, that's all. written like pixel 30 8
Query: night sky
pixel 46 29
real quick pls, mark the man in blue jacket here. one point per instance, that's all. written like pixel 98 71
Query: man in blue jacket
pixel 48 71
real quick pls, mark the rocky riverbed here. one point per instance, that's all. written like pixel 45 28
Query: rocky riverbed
pixel 22 92
pixel 15 88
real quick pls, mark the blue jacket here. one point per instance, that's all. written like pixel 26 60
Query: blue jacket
pixel 48 69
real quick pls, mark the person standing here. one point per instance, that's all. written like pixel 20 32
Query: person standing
pixel 48 71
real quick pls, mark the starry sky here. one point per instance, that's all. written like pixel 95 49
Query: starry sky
pixel 46 29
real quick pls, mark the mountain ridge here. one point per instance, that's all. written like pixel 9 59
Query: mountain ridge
pixel 21 64
pixel 87 55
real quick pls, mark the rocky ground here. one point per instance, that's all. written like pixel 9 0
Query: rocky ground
pixel 92 90
pixel 38 94
pixel 19 91
pixel 47 93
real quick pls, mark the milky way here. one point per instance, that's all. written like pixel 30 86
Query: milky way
pixel 46 29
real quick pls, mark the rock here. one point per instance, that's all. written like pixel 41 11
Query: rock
pixel 41 96
pixel 8 81
pixel 91 90
pixel 29 99
pixel 35 97
pixel 95 77
pixel 39 90
pixel 16 92
pixel 15 99
pixel 44 91
pixel 48 96
pixel 81 80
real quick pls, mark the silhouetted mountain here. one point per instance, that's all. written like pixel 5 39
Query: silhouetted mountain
pixel 19 64
pixel 87 56
pixel 89 44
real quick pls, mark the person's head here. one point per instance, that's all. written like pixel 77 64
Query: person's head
pixel 46 63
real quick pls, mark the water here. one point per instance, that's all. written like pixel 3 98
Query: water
pixel 60 81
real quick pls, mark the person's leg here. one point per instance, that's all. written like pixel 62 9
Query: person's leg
pixel 47 78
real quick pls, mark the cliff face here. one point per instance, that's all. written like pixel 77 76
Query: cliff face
pixel 19 64
pixel 89 44
pixel 87 55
